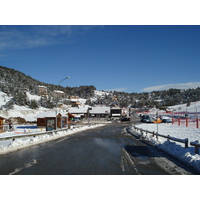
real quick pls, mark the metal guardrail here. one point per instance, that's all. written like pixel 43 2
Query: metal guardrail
pixel 196 143
pixel 185 141
pixel 32 135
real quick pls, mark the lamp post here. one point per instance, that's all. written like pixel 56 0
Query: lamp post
pixel 57 102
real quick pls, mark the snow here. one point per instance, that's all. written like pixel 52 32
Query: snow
pixel 23 112
pixel 101 93
pixel 4 98
pixel 20 111
pixel 175 149
pixel 194 107
pixel 33 97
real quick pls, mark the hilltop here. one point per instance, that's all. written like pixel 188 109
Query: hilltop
pixel 18 89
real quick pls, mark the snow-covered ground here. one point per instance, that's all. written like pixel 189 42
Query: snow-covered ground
pixel 176 149
pixel 7 146
pixel 179 110
pixel 20 111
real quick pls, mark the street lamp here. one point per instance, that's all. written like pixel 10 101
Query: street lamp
pixel 57 102
pixel 63 80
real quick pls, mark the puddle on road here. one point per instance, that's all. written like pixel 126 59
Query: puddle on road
pixel 110 145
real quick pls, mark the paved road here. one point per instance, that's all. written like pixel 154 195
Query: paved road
pixel 108 150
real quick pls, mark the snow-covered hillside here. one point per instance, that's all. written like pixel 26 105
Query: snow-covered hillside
pixel 100 93
pixel 30 114
pixel 4 98
pixel 19 111
pixel 194 107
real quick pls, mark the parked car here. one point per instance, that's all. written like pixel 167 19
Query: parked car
pixel 123 119
pixel 166 121
pixel 144 118
pixel 147 119
pixel 157 121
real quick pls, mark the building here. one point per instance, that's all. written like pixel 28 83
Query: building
pixel 115 112
pixel 80 112
pixel 58 94
pixel 42 90
pixel 48 119
pixel 84 112
pixel 1 124
pixel 75 101
pixel 101 112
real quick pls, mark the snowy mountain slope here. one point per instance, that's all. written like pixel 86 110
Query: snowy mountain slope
pixel 4 98
pixel 194 107
pixel 19 111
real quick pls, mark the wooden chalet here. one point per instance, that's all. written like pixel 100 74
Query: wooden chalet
pixel 1 124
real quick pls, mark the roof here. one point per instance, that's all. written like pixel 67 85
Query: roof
pixel 100 110
pixel 78 110
pixel 50 114
pixel 94 110
pixel 58 91
pixel 41 86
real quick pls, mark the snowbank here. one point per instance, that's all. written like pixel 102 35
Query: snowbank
pixel 10 146
pixel 176 149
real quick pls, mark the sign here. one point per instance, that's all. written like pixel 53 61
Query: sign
pixel 50 124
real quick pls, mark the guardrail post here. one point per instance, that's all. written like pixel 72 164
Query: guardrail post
pixel 168 137
pixel 186 142
pixel 196 150
pixel 197 122
pixel 196 147
pixel 153 133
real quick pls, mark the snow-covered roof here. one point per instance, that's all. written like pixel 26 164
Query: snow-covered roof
pixel 41 86
pixel 50 114
pixel 78 110
pixel 58 91
pixel 94 110
pixel 46 114
pixel 100 110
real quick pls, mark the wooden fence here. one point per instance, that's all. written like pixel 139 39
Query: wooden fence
pixel 185 141
pixel 186 122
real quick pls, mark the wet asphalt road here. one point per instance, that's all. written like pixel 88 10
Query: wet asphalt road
pixel 107 150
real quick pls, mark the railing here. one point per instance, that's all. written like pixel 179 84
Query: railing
pixel 32 135
pixel 185 141
pixel 196 145
pixel 187 122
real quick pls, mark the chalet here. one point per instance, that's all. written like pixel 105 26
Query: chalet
pixel 84 112
pixel 58 94
pixel 79 111
pixel 75 101
pixel 102 112
pixel 42 90
pixel 1 123
pixel 48 119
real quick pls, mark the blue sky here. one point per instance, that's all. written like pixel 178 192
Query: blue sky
pixel 124 58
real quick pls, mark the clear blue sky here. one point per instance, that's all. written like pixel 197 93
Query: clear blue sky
pixel 125 58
